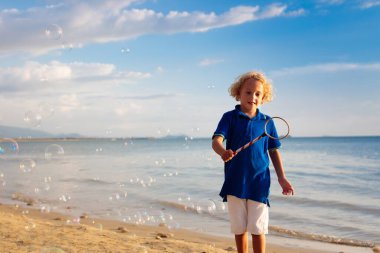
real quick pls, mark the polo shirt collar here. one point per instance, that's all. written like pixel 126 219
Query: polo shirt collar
pixel 259 115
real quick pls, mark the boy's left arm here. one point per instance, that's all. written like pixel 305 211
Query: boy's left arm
pixel 287 188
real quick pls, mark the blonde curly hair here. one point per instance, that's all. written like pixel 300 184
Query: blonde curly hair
pixel 235 87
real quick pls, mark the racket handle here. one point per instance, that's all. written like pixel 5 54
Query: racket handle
pixel 249 144
pixel 246 146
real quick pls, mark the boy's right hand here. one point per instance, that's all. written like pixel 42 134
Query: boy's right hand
pixel 227 155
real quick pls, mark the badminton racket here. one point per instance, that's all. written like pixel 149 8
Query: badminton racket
pixel 282 131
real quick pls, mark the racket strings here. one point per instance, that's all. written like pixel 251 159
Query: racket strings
pixel 277 128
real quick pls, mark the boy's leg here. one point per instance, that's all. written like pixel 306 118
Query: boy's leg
pixel 242 243
pixel 258 243
pixel 258 218
pixel 237 211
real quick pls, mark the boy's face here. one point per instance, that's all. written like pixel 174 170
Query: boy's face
pixel 251 95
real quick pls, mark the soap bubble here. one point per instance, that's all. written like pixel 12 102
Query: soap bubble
pixel 169 221
pixel 147 181
pixel 205 206
pixel 118 196
pixel 2 180
pixel 45 110
pixel 8 146
pixel 125 50
pixel 73 221
pixel 32 118
pixel 27 165
pixel 160 162
pixel 185 201
pixel 67 46
pixel 220 206
pixel 54 32
pixel 134 180
pixel 185 198
pixel 45 208
pixel 170 174
pixel 97 225
pixel 137 218
pixel 53 151
pixel 65 198
pixel 195 129
pixel 30 226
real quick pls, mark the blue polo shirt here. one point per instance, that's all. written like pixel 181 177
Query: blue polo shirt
pixel 247 175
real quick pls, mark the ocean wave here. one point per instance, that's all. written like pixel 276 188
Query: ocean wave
pixel 205 207
pixel 23 198
pixel 318 237
pixel 95 181
pixel 280 231
pixel 30 200
pixel 331 204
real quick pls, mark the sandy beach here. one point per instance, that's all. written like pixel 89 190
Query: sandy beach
pixel 29 230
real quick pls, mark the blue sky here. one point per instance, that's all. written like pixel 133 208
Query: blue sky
pixel 125 68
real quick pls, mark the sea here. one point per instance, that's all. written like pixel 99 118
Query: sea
pixel 176 181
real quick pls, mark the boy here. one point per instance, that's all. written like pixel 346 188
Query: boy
pixel 247 177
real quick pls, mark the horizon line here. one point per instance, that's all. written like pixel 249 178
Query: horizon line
pixel 173 137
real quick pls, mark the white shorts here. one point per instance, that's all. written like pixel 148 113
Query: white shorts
pixel 247 216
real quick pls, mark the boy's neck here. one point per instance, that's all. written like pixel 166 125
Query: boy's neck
pixel 250 113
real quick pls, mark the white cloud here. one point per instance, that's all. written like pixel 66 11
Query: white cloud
pixel 296 13
pixel 12 11
pixel 86 70
pixel 208 62
pixel 123 109
pixel 277 10
pixel 152 97
pixel 326 68
pixel 273 10
pixel 68 102
pixel 133 75
pixel 362 4
pixel 32 73
pixel 36 75
pixel 331 2
pixel 104 21
pixel 369 4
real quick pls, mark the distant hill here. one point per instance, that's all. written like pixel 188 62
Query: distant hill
pixel 180 136
pixel 18 132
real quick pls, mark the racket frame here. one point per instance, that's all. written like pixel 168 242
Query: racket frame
pixel 263 135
